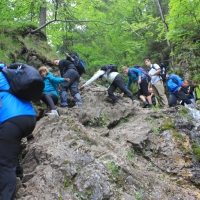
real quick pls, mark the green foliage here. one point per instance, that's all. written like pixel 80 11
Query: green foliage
pixel 155 130
pixel 103 120
pixel 196 149
pixel 116 33
pixel 167 126
pixel 114 169
pixel 67 183
pixel 178 135
pixel 138 195
pixel 184 111
pixel 130 154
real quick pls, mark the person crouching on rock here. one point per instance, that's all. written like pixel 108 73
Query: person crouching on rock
pixel 110 74
pixel 50 94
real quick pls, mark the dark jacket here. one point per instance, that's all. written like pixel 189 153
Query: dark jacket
pixel 65 65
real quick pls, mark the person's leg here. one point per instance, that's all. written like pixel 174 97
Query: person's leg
pixel 181 95
pixel 161 93
pixel 48 100
pixel 73 75
pixel 118 82
pixel 54 98
pixel 172 100
pixel 63 96
pixel 111 95
pixel 74 89
pixel 145 92
pixel 75 93
pixel 43 99
pixel 11 133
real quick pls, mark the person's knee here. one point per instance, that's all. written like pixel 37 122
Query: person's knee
pixel 74 91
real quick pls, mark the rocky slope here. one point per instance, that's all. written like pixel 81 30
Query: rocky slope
pixel 105 152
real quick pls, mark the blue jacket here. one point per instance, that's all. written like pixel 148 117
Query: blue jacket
pixel 133 74
pixel 51 84
pixel 11 106
pixel 174 82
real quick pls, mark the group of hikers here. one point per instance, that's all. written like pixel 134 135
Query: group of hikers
pixel 18 117
pixel 151 86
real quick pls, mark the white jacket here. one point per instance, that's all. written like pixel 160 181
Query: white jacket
pixel 110 78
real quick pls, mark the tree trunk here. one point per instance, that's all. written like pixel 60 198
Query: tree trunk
pixel 166 30
pixel 43 17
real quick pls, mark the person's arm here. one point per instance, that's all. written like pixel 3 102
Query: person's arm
pixel 149 85
pixel 58 80
pixel 179 81
pixel 138 73
pixel 96 76
pixel 129 82
pixel 157 70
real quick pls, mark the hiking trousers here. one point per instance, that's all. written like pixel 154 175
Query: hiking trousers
pixel 72 85
pixel 118 83
pixel 50 100
pixel 11 133
pixel 178 95
pixel 159 91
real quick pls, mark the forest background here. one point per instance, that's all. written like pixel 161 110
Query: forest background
pixel 122 32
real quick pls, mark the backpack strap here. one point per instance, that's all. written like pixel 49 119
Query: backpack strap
pixel 157 70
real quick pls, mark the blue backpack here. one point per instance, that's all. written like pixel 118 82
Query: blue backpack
pixel 79 64
pixel 25 81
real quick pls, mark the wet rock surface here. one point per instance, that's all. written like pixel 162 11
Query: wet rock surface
pixel 101 152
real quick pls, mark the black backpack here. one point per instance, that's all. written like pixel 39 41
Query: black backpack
pixel 109 68
pixel 163 72
pixel 79 64
pixel 25 81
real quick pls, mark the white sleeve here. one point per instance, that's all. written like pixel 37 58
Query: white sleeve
pixel 96 76
pixel 156 66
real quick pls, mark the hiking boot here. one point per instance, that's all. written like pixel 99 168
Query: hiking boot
pixel 145 104
pixel 19 171
pixel 135 103
pixel 77 106
pixel 53 112
pixel 116 103
pixel 63 105
pixel 150 106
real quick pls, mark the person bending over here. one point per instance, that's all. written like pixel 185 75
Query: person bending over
pixel 116 81
pixel 17 120
pixel 174 84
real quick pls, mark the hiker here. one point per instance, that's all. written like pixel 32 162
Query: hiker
pixel 136 76
pixel 17 120
pixel 116 81
pixel 174 84
pixel 68 70
pixel 189 90
pixel 157 82
pixel 50 94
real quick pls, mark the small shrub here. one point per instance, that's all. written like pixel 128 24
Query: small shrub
pixel 196 151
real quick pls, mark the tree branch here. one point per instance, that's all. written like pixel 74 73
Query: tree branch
pixel 66 21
